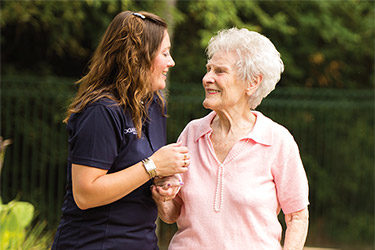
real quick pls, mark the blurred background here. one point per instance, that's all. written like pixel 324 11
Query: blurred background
pixel 325 98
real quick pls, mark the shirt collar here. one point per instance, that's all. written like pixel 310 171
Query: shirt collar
pixel 205 125
pixel 261 132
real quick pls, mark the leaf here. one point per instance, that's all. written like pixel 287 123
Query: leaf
pixel 23 212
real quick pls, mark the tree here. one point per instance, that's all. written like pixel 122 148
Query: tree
pixel 322 43
pixel 59 37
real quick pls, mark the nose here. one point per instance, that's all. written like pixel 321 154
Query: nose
pixel 207 78
pixel 171 62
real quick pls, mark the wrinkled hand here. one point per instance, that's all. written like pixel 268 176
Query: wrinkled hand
pixel 166 188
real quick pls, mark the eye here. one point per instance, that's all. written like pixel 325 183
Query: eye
pixel 219 70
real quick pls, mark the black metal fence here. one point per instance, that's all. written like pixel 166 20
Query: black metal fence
pixel 333 128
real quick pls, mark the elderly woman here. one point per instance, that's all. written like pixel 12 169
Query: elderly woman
pixel 244 167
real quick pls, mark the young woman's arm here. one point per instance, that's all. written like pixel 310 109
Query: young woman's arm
pixel 93 187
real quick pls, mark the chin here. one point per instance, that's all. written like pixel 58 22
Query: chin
pixel 206 105
pixel 159 86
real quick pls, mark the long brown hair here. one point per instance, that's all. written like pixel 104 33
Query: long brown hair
pixel 121 64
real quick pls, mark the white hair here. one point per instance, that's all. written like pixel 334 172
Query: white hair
pixel 256 56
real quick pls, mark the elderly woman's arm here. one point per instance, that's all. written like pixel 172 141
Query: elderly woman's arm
pixel 168 209
pixel 296 232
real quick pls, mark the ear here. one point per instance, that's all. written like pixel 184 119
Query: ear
pixel 253 85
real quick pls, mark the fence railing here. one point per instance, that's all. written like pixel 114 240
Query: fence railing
pixel 333 128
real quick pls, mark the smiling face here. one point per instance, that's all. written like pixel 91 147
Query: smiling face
pixel 223 89
pixel 161 64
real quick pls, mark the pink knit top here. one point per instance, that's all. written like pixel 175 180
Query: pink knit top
pixel 234 204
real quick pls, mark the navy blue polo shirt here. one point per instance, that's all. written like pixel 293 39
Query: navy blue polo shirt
pixel 103 136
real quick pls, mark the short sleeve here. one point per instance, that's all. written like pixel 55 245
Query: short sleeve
pixel 183 136
pixel 95 137
pixel 290 179
pixel 183 139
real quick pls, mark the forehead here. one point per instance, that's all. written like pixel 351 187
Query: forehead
pixel 165 43
pixel 225 59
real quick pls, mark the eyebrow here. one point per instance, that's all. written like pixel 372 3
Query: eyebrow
pixel 218 66
pixel 168 48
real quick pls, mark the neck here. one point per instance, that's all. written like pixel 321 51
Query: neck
pixel 234 121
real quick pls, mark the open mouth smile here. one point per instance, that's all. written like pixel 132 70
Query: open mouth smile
pixel 212 91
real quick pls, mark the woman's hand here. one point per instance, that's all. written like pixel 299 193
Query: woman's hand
pixel 167 187
pixel 171 159
pixel 164 194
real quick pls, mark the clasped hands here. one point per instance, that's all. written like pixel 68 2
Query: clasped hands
pixel 166 188
pixel 171 160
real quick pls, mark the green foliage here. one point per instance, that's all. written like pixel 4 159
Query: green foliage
pixel 216 15
pixel 203 20
pixel 322 43
pixel 59 37
pixel 333 45
pixel 61 22
pixel 35 123
pixel 14 218
pixel 15 231
pixel 335 133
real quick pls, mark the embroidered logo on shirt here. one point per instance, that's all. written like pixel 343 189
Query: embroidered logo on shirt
pixel 130 131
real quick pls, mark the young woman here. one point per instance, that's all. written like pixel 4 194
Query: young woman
pixel 117 134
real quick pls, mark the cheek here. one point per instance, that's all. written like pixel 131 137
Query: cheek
pixel 161 62
pixel 155 65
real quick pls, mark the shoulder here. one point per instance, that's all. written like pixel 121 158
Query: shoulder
pixel 284 148
pixel 273 133
pixel 280 132
pixel 197 127
pixel 196 123
pixel 201 123
pixel 103 110
pixel 105 104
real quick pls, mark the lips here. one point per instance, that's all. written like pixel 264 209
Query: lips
pixel 212 91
